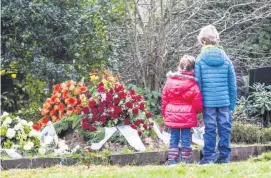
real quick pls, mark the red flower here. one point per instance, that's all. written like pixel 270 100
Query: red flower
pixel 141 106
pixel 37 127
pixel 92 128
pixel 122 95
pixel 65 94
pixel 109 97
pixel 111 91
pixel 110 105
pixel 103 119
pixel 118 87
pixel 151 124
pixel 117 109
pixel 85 120
pixel 138 122
pixel 101 109
pixel 133 126
pixel 116 100
pixel 101 89
pixel 92 103
pixel 78 101
pixel 115 115
pixel 57 88
pixel 145 126
pixel 61 107
pixel 126 121
pixel 88 95
pixel 148 115
pixel 86 110
pixel 129 105
pixel 132 92
pixel 85 125
pixel 139 132
pixel 138 97
pixel 94 110
pixel 101 84
pixel 135 111
pixel 44 120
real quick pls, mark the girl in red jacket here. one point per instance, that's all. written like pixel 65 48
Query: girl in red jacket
pixel 181 102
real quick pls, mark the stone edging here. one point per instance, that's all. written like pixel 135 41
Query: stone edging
pixel 238 154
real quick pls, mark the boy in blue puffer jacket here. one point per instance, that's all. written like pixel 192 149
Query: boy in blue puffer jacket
pixel 215 73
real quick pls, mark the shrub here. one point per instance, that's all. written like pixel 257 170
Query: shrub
pixel 248 133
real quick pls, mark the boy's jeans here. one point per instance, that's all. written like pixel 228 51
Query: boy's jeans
pixel 221 119
pixel 176 135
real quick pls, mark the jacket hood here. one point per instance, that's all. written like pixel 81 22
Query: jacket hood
pixel 183 75
pixel 213 57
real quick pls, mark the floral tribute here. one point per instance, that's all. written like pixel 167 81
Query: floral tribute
pixel 18 134
pixel 111 104
pixel 102 102
pixel 67 98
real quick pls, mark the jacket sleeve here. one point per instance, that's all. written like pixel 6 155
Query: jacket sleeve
pixel 197 100
pixel 232 86
pixel 165 99
pixel 198 71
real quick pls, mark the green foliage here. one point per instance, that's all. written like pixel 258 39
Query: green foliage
pixel 248 133
pixel 3 130
pixel 29 114
pixel 8 144
pixel 257 104
pixel 68 122
pixel 152 98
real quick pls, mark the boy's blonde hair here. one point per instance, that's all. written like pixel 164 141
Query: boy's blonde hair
pixel 187 63
pixel 208 35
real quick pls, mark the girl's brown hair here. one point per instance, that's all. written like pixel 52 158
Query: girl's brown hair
pixel 187 63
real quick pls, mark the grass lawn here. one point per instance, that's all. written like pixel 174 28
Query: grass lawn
pixel 259 169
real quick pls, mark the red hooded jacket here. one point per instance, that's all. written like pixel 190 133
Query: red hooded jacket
pixel 181 100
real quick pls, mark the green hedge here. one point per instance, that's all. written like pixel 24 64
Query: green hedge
pixel 248 133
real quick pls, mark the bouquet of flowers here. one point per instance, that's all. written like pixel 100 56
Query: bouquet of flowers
pixel 111 104
pixel 17 133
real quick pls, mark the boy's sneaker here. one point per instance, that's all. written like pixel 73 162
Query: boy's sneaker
pixel 172 163
pixel 221 159
pixel 205 161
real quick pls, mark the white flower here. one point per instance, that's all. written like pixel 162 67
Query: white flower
pixel 34 133
pixel 17 118
pixel 28 146
pixel 7 121
pixel 4 114
pixel 30 124
pixel 24 122
pixel 19 126
pixel 10 133
pixel 103 96
pixel 42 150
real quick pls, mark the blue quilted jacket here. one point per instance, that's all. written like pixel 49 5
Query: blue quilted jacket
pixel 215 73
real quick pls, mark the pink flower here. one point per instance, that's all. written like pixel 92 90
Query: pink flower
pixel 86 110
pixel 103 119
pixel 132 92
pixel 135 111
pixel 92 128
pixel 78 101
pixel 101 89
pixel 117 109
pixel 126 121
pixel 122 95
pixel 148 115
pixel 115 116
pixel 109 97
pixel 101 109
pixel 141 106
pixel 92 103
pixel 133 126
pixel 139 132
pixel 85 125
pixel 116 100
pixel 94 110
pixel 129 105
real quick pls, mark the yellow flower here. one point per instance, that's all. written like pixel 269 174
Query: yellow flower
pixel 3 72
pixel 105 82
pixel 94 78
pixel 13 75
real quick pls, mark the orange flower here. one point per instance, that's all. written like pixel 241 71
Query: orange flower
pixel 60 113
pixel 76 91
pixel 47 106
pixel 56 107
pixel 65 94
pixel 77 110
pixel 44 112
pixel 52 112
pixel 82 98
pixel 71 101
pixel 54 118
pixel 53 99
pixel 70 110
pixel 70 83
pixel 37 126
pixel 83 89
pixel 57 88
pixel 61 107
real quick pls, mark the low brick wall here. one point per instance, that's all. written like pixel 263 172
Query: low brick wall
pixel 144 158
